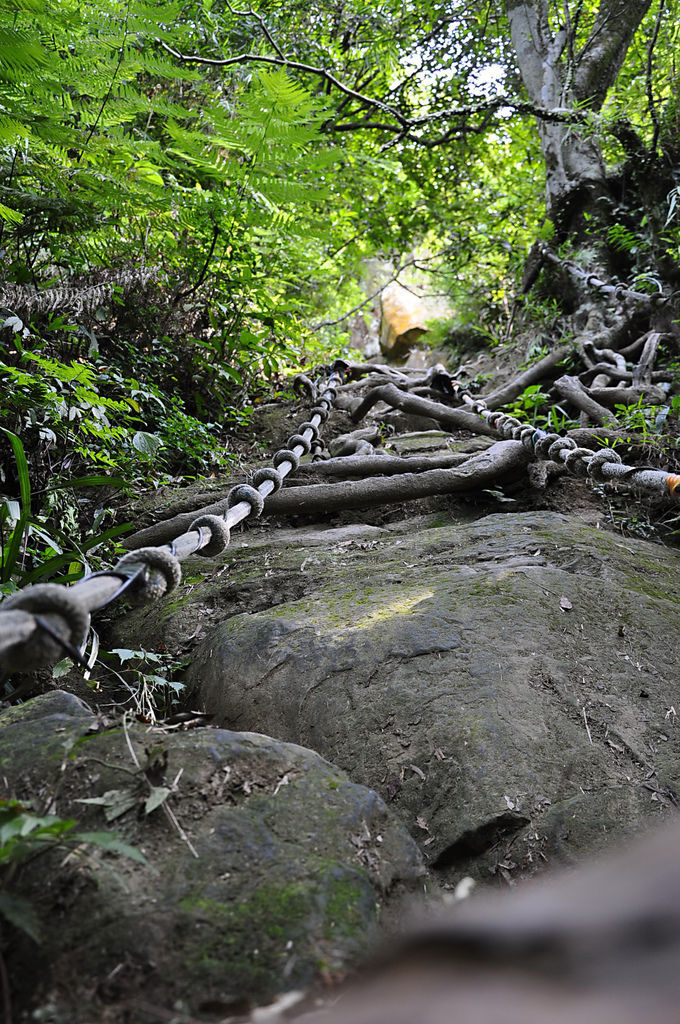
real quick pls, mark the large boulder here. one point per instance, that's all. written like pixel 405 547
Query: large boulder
pixel 270 869
pixel 508 685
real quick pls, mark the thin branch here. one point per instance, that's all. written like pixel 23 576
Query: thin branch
pixel 250 13
pixel 374 126
pixel 204 269
pixel 296 65
pixel 404 125
pixel 111 83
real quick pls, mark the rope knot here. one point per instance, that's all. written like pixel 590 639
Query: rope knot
pixel 307 425
pixel 577 460
pixel 525 435
pixel 286 455
pixel 268 473
pixel 320 410
pixel 299 441
pixel 162 571
pixel 220 535
pixel 506 424
pixel 562 444
pixel 598 460
pixel 244 492
pixel 544 443
pixel 64 629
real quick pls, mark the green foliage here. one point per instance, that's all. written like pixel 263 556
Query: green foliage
pixel 27 551
pixel 653 423
pixel 25 835
pixel 536 407
pixel 154 219
pixel 148 677
pixel 526 406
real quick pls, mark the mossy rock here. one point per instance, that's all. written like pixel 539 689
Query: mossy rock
pixel 279 873
pixel 479 676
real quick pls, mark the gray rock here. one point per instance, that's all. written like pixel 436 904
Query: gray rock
pixel 296 866
pixel 508 684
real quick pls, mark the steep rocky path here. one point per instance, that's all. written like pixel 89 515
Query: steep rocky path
pixel 400 697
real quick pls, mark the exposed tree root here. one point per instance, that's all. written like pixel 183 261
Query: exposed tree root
pixel 497 463
pixel 379 464
pixel 463 474
pixel 572 389
pixel 457 419
pixel 535 373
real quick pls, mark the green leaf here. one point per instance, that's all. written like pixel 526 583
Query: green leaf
pixel 146 444
pixel 46 569
pixel 115 802
pixel 9 215
pixel 106 841
pixel 22 470
pixel 125 654
pixel 21 913
pixel 50 541
pixel 10 554
pixel 62 668
pixel 96 480
pixel 107 535
pixel 157 796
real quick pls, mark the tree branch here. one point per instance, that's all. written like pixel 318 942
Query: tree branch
pixel 603 54
pixel 250 13
pixel 403 126
pixel 296 65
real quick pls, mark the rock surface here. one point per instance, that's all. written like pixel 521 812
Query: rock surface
pixel 295 867
pixel 504 681
pixel 507 685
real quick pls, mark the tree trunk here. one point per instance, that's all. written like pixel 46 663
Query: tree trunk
pixel 557 75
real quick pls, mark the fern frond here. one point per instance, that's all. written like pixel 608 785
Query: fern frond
pixel 10 216
pixel 19 53
pixel 282 91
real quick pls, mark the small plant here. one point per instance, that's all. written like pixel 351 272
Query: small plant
pixel 24 835
pixel 526 406
pixel 32 548
pixel 640 417
pixel 153 695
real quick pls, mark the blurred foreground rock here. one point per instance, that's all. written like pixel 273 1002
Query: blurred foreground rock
pixel 600 944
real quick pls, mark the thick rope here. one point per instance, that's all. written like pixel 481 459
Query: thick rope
pixel 43 621
pixel 600 466
pixel 617 291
